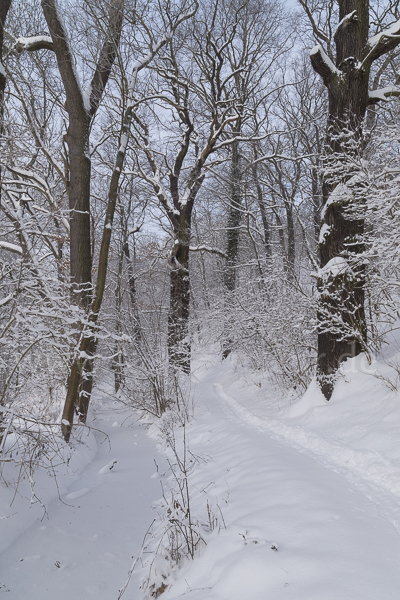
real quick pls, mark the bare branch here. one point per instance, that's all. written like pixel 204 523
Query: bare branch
pixel 383 94
pixel 317 32
pixel 107 55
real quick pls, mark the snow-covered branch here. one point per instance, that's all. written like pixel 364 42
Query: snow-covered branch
pixel 383 42
pixel 11 247
pixel 204 248
pixel 323 65
pixel 33 43
pixel 383 94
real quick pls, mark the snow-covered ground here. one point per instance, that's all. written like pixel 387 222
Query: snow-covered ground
pixel 83 547
pixel 295 498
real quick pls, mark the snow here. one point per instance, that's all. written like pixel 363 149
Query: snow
pixel 335 267
pixel 318 49
pixel 303 495
pixel 82 547
pixel 279 482
pixel 390 32
pixel 123 143
pixel 5 300
pixel 325 230
pixel 350 17
pixel 385 93
pixel 340 195
pixel 11 247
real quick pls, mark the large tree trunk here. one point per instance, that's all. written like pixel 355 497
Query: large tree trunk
pixel 179 345
pixel 232 238
pixel 341 283
pixel 81 110
pixel 234 220
pixel 77 140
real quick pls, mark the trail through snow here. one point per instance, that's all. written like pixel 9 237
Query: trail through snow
pixel 334 543
pixel 299 506
pixel 83 548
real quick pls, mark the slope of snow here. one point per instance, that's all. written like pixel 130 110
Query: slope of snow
pixel 295 499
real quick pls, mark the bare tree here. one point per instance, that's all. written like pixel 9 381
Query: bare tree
pixel 83 362
pixel 81 107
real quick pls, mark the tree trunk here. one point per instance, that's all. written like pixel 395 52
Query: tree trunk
pixel 179 346
pixel 232 238
pixel 234 220
pixel 264 218
pixel 4 8
pixel 137 333
pixel 77 140
pixel 118 361
pixel 81 110
pixel 341 283
pixel 291 242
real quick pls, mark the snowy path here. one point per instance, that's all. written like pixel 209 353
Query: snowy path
pixel 370 471
pixel 267 482
pixel 333 542
pixel 83 550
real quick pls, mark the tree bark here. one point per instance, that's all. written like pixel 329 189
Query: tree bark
pixel 232 237
pixel 77 140
pixel 341 316
pixel 234 220
pixel 179 345
pixel 137 332
pixel 81 110
pixel 263 212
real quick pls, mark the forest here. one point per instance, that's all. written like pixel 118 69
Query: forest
pixel 187 183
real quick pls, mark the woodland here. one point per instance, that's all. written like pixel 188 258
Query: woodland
pixel 181 175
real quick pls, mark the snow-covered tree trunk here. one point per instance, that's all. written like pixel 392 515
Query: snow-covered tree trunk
pixel 341 281
pixel 179 311
pixel 81 107
pixel 234 220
